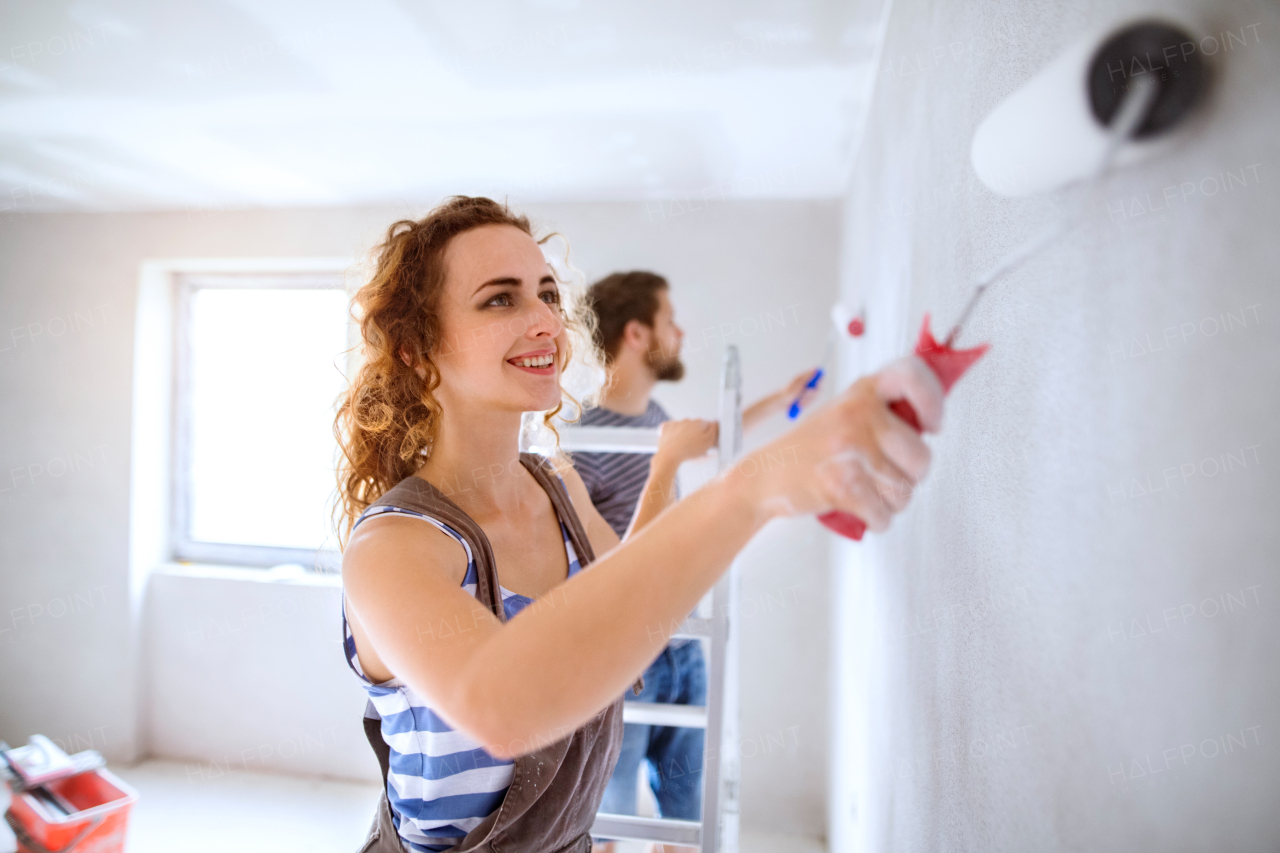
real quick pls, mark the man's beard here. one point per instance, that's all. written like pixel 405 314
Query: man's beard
pixel 665 368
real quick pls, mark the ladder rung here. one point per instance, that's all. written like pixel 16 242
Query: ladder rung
pixel 609 439
pixel 630 828
pixel 663 714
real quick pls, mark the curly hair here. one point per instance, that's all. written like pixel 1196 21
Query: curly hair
pixel 388 419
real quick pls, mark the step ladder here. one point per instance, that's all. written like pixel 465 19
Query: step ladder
pixel 717 832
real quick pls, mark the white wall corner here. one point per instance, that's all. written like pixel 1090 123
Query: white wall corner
pixel 149 468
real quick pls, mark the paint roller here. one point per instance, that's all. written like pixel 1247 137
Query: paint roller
pixel 1105 101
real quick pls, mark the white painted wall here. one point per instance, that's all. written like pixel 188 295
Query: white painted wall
pixel 246 674
pixel 242 697
pixel 1069 646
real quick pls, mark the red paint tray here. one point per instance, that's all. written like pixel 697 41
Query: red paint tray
pixel 100 805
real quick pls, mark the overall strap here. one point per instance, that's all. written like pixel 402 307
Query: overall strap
pixel 541 469
pixel 419 495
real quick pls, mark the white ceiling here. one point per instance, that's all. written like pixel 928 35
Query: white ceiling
pixel 117 105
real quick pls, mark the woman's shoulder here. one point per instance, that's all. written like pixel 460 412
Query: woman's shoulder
pixel 387 536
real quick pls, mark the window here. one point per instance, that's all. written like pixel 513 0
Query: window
pixel 260 361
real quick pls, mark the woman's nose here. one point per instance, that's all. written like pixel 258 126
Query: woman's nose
pixel 545 319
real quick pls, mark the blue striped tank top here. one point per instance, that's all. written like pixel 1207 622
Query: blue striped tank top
pixel 440 783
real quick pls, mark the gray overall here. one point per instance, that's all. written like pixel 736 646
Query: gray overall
pixel 554 791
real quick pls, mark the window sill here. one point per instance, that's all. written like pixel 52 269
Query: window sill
pixel 217 571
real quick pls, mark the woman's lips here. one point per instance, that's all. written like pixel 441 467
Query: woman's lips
pixel 541 371
pixel 546 370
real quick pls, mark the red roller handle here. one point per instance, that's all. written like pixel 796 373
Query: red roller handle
pixel 948 365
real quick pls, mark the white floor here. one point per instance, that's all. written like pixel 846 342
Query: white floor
pixel 179 811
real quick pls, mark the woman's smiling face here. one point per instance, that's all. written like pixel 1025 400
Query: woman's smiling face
pixel 503 333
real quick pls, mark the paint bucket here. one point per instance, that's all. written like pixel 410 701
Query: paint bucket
pixel 85 813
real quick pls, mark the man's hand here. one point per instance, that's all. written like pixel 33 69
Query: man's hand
pixel 682 440
pixel 796 388
pixel 678 441
pixel 780 400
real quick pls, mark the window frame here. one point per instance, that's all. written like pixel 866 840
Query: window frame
pixel 182 547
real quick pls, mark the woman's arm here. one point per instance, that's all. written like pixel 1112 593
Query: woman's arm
pixel 519 686
pixel 682 440
pixel 603 627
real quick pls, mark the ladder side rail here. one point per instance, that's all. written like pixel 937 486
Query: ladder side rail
pixel 720 770
pixel 713 743
pixel 718 830
pixel 731 753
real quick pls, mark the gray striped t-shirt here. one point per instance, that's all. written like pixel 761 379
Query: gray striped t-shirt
pixel 615 480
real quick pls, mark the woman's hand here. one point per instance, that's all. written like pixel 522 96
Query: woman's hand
pixel 852 454
pixel 682 440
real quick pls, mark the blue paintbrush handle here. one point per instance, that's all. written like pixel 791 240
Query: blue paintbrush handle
pixel 794 411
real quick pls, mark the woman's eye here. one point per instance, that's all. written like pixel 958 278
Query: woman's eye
pixel 503 300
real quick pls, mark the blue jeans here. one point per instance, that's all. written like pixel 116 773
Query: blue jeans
pixel 679 677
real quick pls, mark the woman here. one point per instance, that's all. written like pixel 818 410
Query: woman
pixel 497 732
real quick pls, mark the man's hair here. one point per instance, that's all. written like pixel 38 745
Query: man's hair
pixel 618 299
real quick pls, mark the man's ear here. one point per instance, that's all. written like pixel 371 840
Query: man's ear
pixel 636 335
